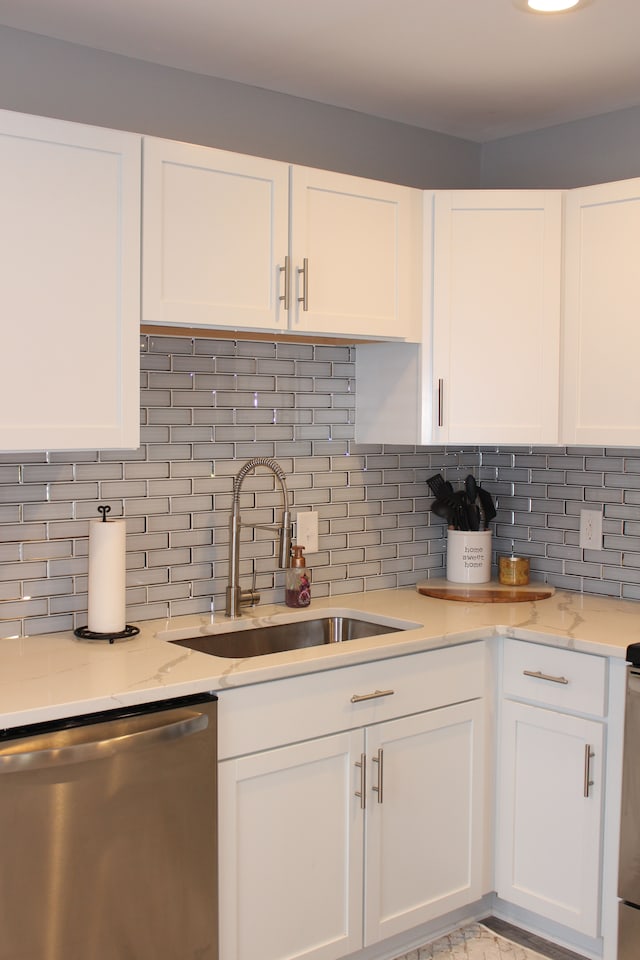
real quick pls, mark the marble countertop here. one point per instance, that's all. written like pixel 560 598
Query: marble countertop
pixel 56 675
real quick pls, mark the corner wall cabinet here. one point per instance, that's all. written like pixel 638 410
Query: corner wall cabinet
pixel 487 370
pixel 550 778
pixel 70 253
pixel 602 304
pixel 496 316
pixel 355 844
pixel 241 242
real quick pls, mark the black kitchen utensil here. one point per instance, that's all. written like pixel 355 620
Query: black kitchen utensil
pixel 471 487
pixel 438 486
pixel 473 514
pixel 486 505
pixel 442 510
pixel 458 503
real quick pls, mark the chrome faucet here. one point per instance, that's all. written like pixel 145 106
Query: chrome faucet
pixel 236 597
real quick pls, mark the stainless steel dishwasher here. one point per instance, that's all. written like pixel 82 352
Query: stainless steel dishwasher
pixel 108 839
pixel 629 870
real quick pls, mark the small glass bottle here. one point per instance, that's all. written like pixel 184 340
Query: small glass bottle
pixel 297 585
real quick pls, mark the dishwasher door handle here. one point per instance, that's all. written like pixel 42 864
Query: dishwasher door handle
pixel 16 762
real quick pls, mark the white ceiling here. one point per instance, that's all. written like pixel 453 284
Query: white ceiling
pixel 478 69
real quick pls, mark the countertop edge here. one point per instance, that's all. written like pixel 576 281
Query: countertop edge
pixel 52 676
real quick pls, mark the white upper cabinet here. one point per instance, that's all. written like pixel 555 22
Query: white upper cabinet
pixel 70 292
pixel 496 316
pixel 215 237
pixel 355 256
pixel 487 370
pixel 245 243
pixel 600 400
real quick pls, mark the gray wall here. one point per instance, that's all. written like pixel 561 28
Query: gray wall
pixel 49 77
pixel 595 150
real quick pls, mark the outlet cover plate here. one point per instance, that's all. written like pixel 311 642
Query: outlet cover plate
pixel 307 530
pixel 591 530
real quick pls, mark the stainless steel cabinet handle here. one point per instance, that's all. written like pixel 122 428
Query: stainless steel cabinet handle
pixel 284 297
pixel 588 756
pixel 304 271
pixel 359 697
pixel 15 761
pixel 378 787
pixel 440 402
pixel 544 676
pixel 362 792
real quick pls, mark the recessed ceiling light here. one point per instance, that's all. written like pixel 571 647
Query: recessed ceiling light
pixel 551 6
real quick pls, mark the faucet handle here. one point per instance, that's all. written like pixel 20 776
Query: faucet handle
pixel 251 597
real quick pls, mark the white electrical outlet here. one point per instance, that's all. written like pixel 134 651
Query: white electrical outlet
pixel 590 530
pixel 307 530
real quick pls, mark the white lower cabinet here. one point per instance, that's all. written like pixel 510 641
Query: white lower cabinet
pixel 291 851
pixel 550 793
pixel 336 842
pixel 423 851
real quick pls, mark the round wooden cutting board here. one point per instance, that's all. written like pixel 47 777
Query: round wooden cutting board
pixel 492 592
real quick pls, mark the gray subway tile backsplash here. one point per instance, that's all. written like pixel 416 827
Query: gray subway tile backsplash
pixel 208 405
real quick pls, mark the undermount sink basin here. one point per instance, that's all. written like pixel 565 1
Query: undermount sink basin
pixel 276 638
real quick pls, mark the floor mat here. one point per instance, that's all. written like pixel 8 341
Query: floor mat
pixel 472 942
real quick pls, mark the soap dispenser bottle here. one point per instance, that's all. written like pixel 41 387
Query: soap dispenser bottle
pixel 297 585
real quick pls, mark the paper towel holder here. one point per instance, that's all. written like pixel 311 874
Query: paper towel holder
pixel 83 633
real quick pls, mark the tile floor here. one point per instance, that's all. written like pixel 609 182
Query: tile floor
pixel 475 941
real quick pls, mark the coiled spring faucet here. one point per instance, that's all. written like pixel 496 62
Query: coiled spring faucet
pixel 236 597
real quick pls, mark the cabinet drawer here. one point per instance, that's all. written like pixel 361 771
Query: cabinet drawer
pixel 265 715
pixel 557 678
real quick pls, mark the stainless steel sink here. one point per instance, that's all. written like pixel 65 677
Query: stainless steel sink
pixel 276 638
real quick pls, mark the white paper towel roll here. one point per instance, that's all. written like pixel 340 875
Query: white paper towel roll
pixel 107 576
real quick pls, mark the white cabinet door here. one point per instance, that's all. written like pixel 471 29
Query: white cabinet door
pixel 70 292
pixel 360 241
pixel 548 830
pixel 424 831
pixel 601 404
pixel 496 316
pixel 291 839
pixel 215 237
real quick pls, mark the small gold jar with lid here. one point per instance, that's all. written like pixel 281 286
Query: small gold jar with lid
pixel 513 571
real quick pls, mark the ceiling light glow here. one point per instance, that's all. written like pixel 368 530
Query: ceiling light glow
pixel 552 6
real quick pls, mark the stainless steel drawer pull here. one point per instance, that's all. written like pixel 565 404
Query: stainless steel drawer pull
pixel 358 697
pixel 544 676
pixel 588 756
pixel 284 297
pixel 304 271
pixel 362 792
pixel 378 787
pixel 440 402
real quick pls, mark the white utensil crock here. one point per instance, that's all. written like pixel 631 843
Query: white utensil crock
pixel 469 556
